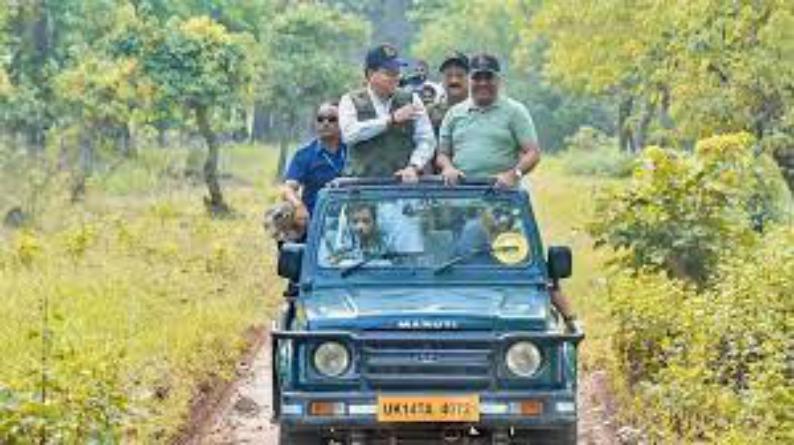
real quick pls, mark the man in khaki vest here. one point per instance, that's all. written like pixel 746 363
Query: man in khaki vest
pixel 387 130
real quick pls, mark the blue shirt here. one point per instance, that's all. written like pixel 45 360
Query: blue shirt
pixel 313 166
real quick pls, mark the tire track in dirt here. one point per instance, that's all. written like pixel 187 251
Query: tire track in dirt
pixel 244 418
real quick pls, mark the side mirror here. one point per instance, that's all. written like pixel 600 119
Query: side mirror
pixel 560 262
pixel 290 258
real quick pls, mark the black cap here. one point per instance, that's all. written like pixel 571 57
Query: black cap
pixel 484 63
pixel 456 58
pixel 383 56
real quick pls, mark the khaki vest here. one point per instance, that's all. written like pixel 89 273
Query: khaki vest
pixel 387 152
pixel 436 112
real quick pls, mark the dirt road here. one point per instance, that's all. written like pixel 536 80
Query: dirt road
pixel 245 417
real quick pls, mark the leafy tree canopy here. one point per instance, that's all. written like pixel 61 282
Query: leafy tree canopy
pixel 480 25
pixel 312 57
pixel 197 62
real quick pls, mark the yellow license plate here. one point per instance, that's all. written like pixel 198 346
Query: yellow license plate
pixel 429 408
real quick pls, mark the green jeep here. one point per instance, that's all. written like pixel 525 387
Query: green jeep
pixel 421 314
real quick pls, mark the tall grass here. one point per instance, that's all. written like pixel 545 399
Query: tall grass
pixel 564 204
pixel 116 310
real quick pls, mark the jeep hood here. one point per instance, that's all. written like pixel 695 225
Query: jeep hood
pixel 451 308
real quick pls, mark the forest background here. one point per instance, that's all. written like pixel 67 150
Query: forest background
pixel 140 141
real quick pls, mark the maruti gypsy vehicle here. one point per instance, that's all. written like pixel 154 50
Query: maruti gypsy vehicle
pixel 422 314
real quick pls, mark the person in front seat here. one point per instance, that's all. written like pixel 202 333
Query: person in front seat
pixel 363 238
pixel 479 233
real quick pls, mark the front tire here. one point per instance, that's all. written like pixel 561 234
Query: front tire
pixel 287 437
pixel 561 436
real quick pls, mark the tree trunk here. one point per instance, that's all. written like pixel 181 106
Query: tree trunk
pixel 784 156
pixel 624 132
pixel 248 127
pixel 260 122
pixel 214 202
pixel 127 142
pixel 285 137
pixel 41 34
pixel 665 119
pixel 85 164
pixel 641 136
pixel 283 146
pixel 162 140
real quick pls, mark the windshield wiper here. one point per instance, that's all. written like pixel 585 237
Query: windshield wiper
pixel 467 256
pixel 461 258
pixel 346 271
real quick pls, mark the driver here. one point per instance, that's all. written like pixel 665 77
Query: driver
pixel 363 239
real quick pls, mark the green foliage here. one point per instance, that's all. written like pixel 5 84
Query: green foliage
pixel 197 62
pixel 711 366
pixel 104 92
pixel 681 212
pixel 31 184
pixel 476 26
pixel 598 46
pixel 691 68
pixel 592 152
pixel 152 171
pixel 313 57
pixel 135 299
pixel 6 89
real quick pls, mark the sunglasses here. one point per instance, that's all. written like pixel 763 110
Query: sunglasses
pixel 331 119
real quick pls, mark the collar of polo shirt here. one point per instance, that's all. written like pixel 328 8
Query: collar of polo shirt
pixel 474 107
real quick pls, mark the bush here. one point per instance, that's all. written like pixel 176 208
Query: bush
pixel 135 305
pixel 590 152
pixel 681 211
pixel 28 183
pixel 714 365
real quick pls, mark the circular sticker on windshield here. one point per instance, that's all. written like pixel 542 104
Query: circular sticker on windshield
pixel 510 248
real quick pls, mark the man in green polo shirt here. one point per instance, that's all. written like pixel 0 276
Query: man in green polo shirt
pixel 491 135
pixel 488 134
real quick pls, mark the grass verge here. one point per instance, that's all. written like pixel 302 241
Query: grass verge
pixel 117 310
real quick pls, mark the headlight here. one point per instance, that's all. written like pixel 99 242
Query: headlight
pixel 331 359
pixel 523 359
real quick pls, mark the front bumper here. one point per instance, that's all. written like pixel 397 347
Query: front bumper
pixel 358 406
pixel 497 410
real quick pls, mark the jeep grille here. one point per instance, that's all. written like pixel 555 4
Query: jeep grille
pixel 423 363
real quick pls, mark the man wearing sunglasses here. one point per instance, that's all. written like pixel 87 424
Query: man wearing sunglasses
pixel 314 165
pixel 488 134
pixel 387 129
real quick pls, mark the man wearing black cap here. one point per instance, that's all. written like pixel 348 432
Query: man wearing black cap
pixel 492 135
pixel 455 72
pixel 387 130
pixel 488 134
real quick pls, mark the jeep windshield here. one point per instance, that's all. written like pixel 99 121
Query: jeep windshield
pixel 423 232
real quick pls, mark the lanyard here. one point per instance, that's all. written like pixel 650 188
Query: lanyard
pixel 331 163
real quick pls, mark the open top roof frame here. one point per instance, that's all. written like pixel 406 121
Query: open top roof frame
pixel 347 182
